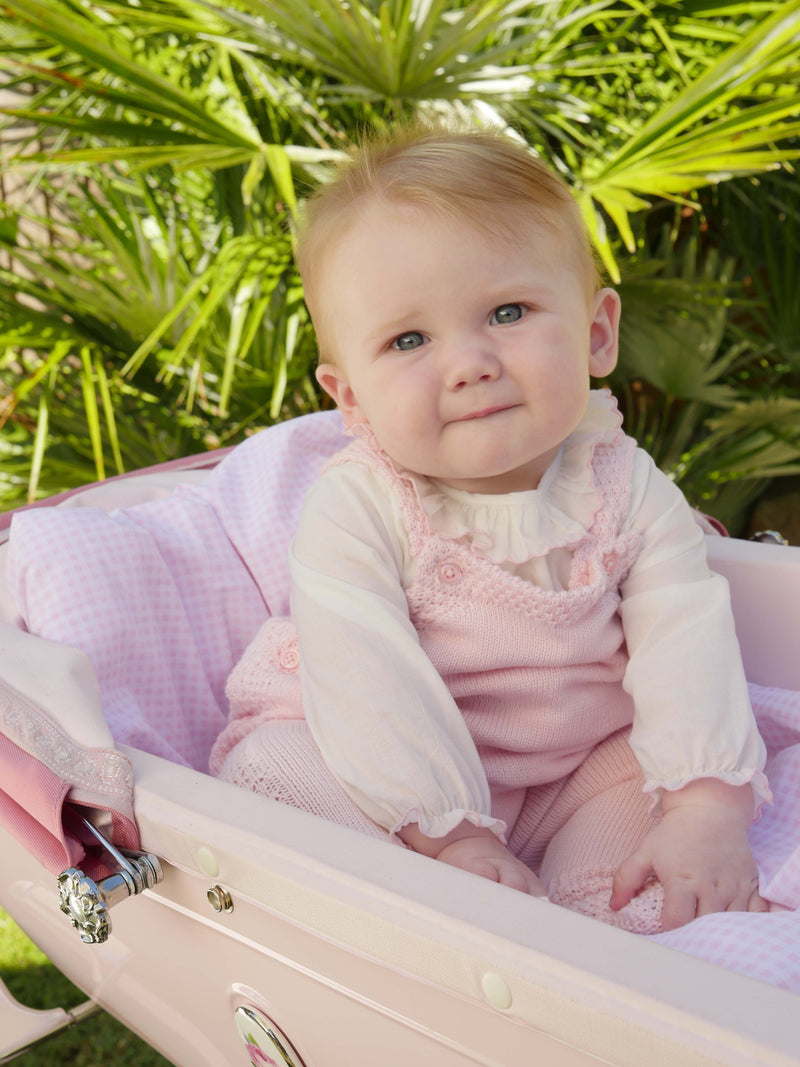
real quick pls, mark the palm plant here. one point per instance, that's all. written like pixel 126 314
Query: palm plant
pixel 176 139
pixel 699 379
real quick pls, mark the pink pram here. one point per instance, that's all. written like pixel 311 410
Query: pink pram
pixel 261 934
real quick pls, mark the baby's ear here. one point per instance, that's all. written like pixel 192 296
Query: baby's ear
pixel 336 386
pixel 604 333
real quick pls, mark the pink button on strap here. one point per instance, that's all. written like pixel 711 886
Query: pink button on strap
pixel 451 571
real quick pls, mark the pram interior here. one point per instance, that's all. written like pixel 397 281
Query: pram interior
pixel 362 953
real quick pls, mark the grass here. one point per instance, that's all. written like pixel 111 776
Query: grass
pixel 35 982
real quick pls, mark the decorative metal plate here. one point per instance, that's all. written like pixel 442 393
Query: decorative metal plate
pixel 265 1044
pixel 87 903
pixel 80 899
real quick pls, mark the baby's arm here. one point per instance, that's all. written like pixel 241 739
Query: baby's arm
pixel 478 850
pixel 387 726
pixel 694 732
pixel 699 852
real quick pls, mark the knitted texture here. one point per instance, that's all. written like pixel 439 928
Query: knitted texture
pixel 596 816
pixel 264 686
pixel 588 891
pixel 584 827
pixel 280 760
pixel 536 673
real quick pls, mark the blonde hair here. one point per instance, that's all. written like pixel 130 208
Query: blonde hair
pixel 478 177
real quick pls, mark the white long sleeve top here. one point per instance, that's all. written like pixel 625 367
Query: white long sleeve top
pixel 351 564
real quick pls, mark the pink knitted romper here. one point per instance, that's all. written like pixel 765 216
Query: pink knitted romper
pixel 536 673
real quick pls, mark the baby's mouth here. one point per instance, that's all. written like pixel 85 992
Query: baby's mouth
pixel 482 413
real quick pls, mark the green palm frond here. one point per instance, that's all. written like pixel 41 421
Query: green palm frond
pixel 153 307
pixel 417 50
pixel 716 128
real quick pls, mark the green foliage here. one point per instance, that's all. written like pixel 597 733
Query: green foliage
pixel 704 375
pixel 38 984
pixel 714 128
pixel 149 304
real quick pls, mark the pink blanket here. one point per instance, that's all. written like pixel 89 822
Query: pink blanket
pixel 164 597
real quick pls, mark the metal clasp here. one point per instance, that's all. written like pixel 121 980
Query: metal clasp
pixel 87 902
pixel 768 537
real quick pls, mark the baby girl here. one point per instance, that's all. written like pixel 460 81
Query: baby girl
pixel 506 648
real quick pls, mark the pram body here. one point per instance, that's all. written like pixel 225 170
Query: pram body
pixel 351 952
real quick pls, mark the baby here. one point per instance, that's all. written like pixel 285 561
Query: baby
pixel 506 648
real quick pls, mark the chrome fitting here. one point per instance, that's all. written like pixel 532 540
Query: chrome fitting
pixel 86 903
pixel 769 537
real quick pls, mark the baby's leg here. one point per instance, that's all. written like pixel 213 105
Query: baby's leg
pixel 577 832
pixel 582 858
pixel 280 760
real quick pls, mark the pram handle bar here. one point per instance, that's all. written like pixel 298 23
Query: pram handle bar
pixel 87 902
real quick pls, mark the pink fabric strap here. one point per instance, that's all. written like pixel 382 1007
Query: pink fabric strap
pixel 35 808
pixel 46 776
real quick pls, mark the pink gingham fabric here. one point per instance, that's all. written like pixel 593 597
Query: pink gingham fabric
pixel 164 597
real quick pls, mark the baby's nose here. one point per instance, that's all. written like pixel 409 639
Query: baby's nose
pixel 472 365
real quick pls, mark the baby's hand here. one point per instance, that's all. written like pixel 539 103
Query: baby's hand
pixel 477 850
pixel 700 854
pixel 489 857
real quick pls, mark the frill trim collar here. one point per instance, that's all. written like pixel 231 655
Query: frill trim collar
pixel 516 527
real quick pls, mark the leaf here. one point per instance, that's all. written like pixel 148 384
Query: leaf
pixel 252 179
pixel 9 221
pixel 108 412
pixel 92 413
pixel 108 50
pixel 59 352
pixel 40 437
pixel 282 373
pixel 402 50
pixel 244 256
pixel 596 228
pixel 680 149
pixel 281 170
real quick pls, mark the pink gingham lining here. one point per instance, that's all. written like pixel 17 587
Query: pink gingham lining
pixel 164 596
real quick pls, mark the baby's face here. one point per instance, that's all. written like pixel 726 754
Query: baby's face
pixel 467 356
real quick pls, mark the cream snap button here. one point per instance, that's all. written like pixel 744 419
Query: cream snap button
pixel 207 861
pixel 496 990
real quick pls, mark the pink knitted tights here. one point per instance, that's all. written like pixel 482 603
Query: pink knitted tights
pixel 573 832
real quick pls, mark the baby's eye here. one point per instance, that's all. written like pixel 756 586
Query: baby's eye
pixel 507 313
pixel 407 342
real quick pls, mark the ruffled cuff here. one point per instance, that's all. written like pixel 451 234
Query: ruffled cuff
pixel 441 825
pixel 757 779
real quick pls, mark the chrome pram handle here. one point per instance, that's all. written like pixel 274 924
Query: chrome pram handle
pixel 87 902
